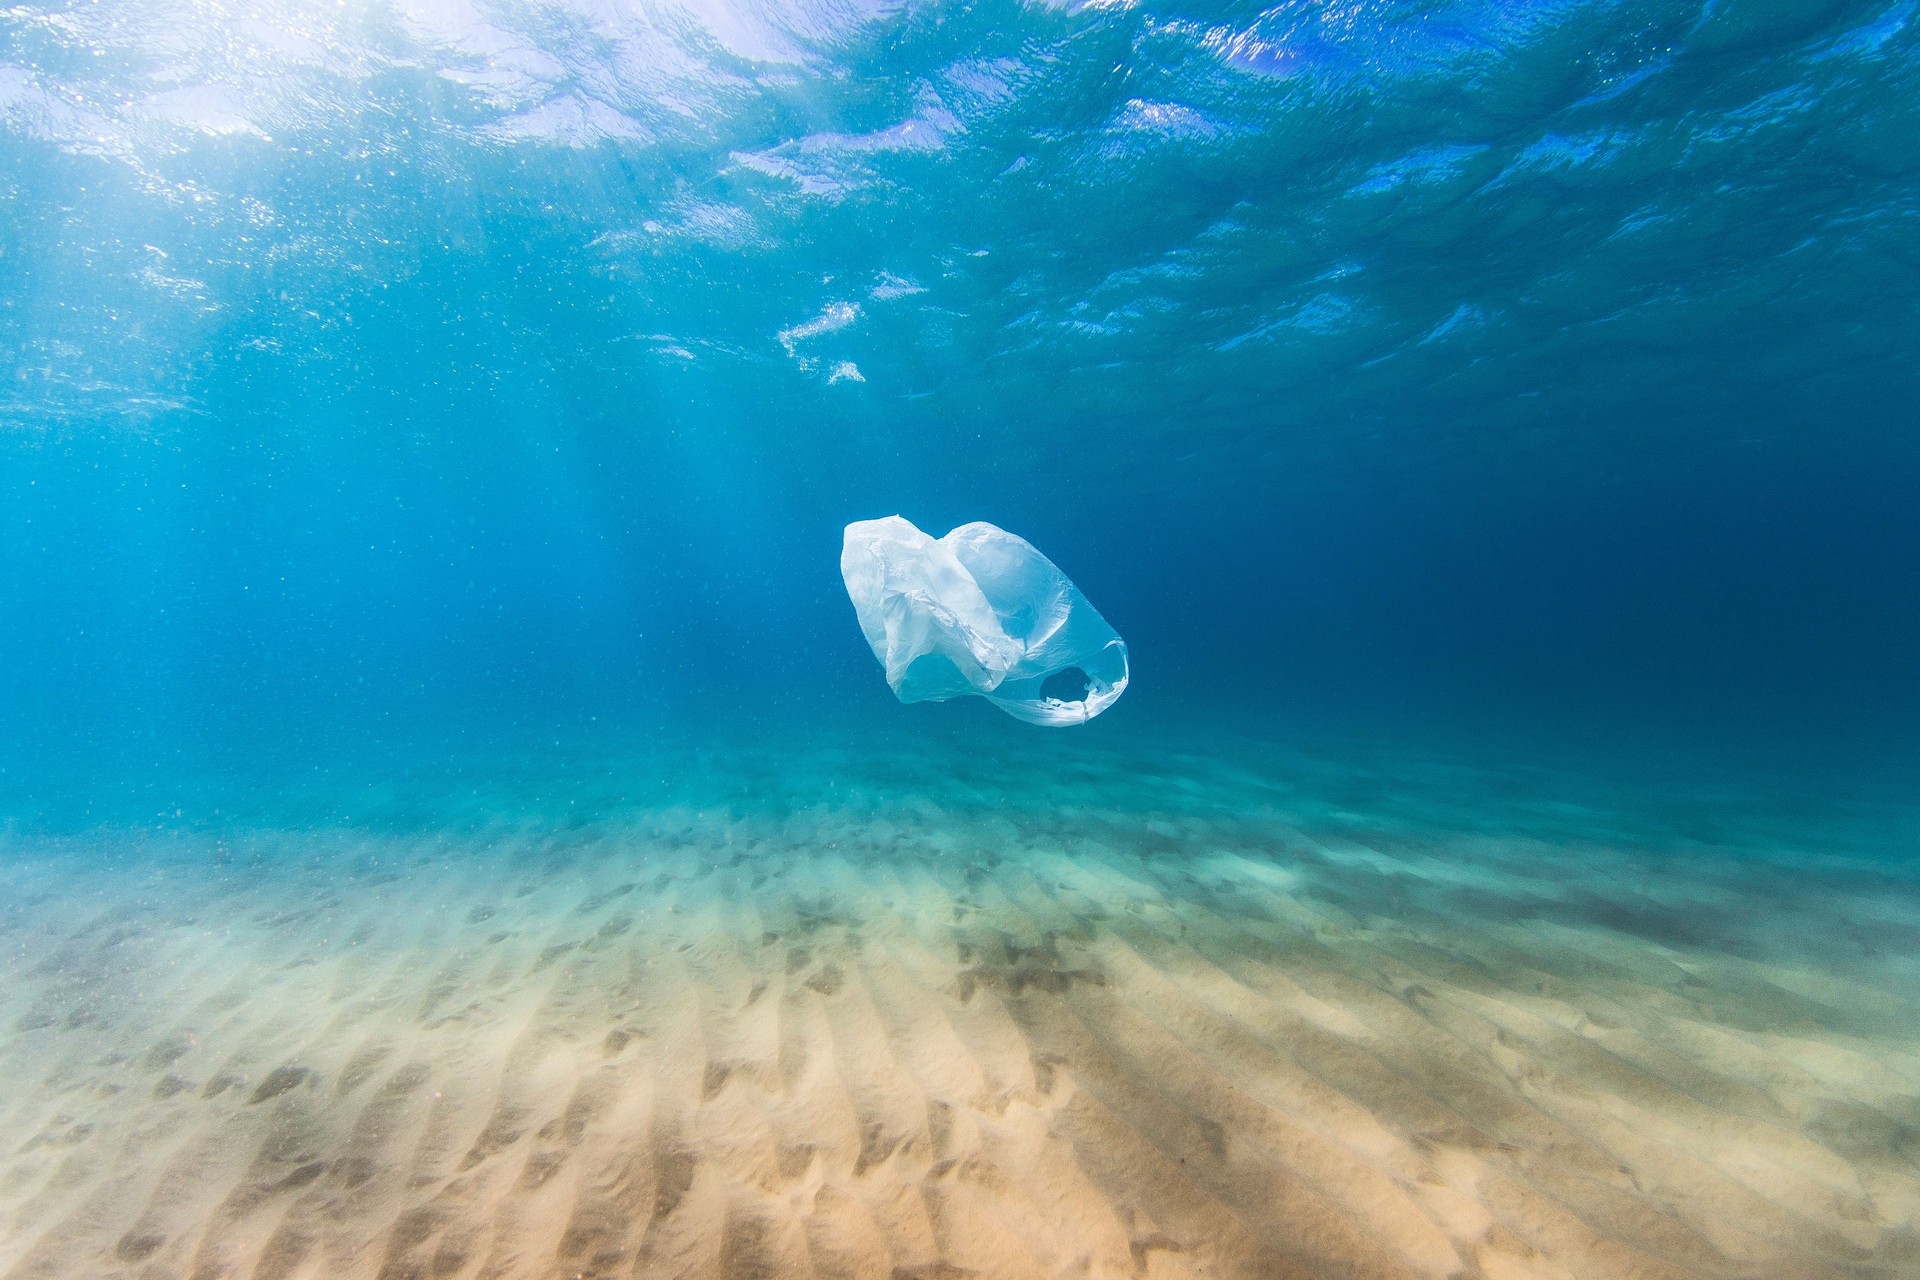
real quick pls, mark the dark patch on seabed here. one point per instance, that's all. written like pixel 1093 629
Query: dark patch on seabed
pixel 1175 1016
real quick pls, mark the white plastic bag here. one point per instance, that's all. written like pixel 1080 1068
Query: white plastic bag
pixel 980 611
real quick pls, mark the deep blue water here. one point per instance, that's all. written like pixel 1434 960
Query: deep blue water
pixel 1512 374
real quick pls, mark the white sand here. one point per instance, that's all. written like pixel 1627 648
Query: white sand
pixel 1142 1029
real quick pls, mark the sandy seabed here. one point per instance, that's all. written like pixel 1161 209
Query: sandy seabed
pixel 1177 1019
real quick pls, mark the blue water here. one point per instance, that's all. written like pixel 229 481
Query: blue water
pixel 1368 362
pixel 1485 422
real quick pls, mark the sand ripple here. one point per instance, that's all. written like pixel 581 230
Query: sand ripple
pixel 922 1044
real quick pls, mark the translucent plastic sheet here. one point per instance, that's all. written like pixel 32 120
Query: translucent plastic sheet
pixel 980 612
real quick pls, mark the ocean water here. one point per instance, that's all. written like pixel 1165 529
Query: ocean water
pixel 452 827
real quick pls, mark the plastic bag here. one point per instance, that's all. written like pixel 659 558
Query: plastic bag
pixel 980 611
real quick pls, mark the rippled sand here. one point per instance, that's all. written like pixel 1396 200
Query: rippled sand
pixel 1179 1021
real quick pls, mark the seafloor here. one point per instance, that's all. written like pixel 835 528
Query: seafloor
pixel 894 1011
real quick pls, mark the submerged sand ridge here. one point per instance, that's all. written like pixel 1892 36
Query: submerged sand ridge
pixel 1152 1027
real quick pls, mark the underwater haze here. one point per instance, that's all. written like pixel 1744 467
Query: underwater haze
pixel 523 361
pixel 452 825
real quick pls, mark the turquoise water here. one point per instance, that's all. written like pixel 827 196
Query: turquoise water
pixel 1474 363
pixel 452 825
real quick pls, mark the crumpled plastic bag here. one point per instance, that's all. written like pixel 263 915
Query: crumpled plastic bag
pixel 980 611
